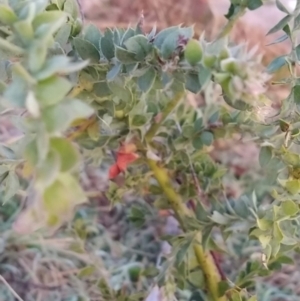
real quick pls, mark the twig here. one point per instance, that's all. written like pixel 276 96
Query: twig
pixel 195 179
pixel 81 129
pixel 231 22
pixel 33 285
pixel 205 260
pixel 11 289
pixel 166 112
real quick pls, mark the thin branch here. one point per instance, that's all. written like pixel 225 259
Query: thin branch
pixel 37 286
pixel 205 259
pixel 81 128
pixel 11 289
pixel 231 22
pixel 165 113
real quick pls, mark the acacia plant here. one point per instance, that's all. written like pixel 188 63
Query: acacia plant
pixel 120 99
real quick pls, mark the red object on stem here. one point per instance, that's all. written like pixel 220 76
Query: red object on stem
pixel 125 155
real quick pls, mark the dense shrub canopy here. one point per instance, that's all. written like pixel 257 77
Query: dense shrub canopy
pixel 120 100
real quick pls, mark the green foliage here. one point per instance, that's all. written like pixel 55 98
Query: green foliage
pixel 84 93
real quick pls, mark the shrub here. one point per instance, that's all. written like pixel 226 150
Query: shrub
pixel 78 94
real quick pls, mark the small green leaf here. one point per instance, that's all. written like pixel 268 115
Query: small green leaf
pixel 289 207
pixel 276 64
pixel 37 56
pixel 52 90
pixel 172 41
pixel 297 23
pixel 207 138
pixel 265 155
pixel 277 232
pixel 16 93
pixel 298 52
pixel 124 56
pixel 87 271
pixel 59 117
pixel 214 117
pixel 285 260
pixel 254 4
pixel 7 15
pixel 46 17
pixel 138 120
pixel 162 35
pixel 48 171
pixel 19 70
pixel 219 218
pixel 188 131
pixel 197 143
pixel 63 34
pixel 128 34
pixel 11 186
pixel 204 76
pixel 137 216
pixel 93 35
pixel 107 47
pixel 8 46
pixel 198 124
pixel 223 287
pixel 146 81
pixel 59 65
pixel 122 92
pixel 183 249
pixel 287 30
pixel 25 30
pixel 71 7
pixel 291 159
pixel 86 50
pixel 61 197
pixel 114 72
pixel 101 89
pixel 231 11
pixel 67 152
pixel 296 94
pixel 198 295
pixel 281 7
pixel 264 224
pixel 279 40
pixel 139 45
pixel 192 83
pixel 280 24
pixel 293 186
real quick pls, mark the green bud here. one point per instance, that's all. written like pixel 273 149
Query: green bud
pixel 77 27
pixel 134 273
pixel 284 126
pixel 221 77
pixel 209 60
pixel 119 114
pixel 294 172
pixel 295 133
pixel 224 54
pixel 229 65
pixel 193 52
